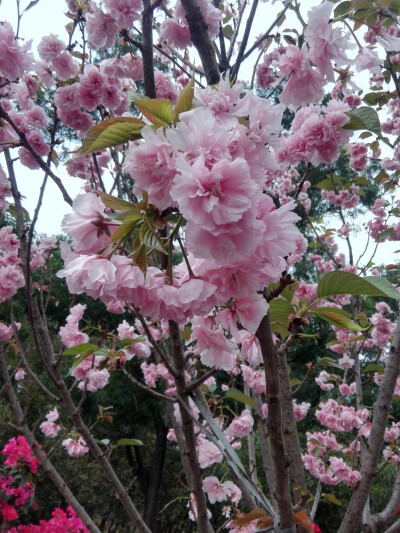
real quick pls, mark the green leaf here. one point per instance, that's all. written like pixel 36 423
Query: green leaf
pixel 140 258
pixel 364 118
pixel 129 442
pixel 279 310
pixel 78 360
pixel 328 361
pixel 186 333
pixel 227 31
pixel 339 282
pixel 294 382
pixel 158 111
pixel 336 317
pixel 342 9
pixel 373 367
pixel 289 290
pixel 150 237
pixel 239 396
pixel 185 100
pixel 111 132
pixel 129 223
pixel 114 203
pixel 125 214
pixel 331 498
pixel 128 342
pixel 13 212
pixel 80 348
pixel 383 234
pixel 330 183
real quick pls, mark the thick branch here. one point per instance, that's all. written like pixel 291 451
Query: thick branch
pixel 280 460
pixel 291 436
pixel 147 50
pixel 375 439
pixel 201 40
pixel 265 447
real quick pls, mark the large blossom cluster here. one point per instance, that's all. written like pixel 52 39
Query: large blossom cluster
pixel 322 465
pixel 235 238
pixel 317 134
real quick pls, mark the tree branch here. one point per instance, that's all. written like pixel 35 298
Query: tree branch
pixel 201 40
pixel 375 439
pixel 195 480
pixel 280 460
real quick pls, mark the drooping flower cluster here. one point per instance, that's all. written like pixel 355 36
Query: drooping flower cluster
pixel 235 238
pixel 317 134
pixel 11 277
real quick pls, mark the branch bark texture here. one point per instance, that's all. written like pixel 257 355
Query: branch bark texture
pixel 375 439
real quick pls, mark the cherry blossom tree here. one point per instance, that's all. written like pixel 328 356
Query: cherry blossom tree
pixel 187 226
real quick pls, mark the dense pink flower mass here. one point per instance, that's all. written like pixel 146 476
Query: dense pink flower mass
pixel 187 227
pixel 19 453
pixel 213 176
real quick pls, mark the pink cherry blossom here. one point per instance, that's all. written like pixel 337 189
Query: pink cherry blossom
pixel 50 47
pixel 88 224
pixel 326 42
pixel 153 166
pixel 300 410
pixel 208 453
pixel 101 28
pixel 165 88
pixel 15 60
pixel 213 197
pixel 75 447
pixel 176 34
pixel 241 426
pixel 19 374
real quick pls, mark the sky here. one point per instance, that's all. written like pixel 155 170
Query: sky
pixel 47 16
